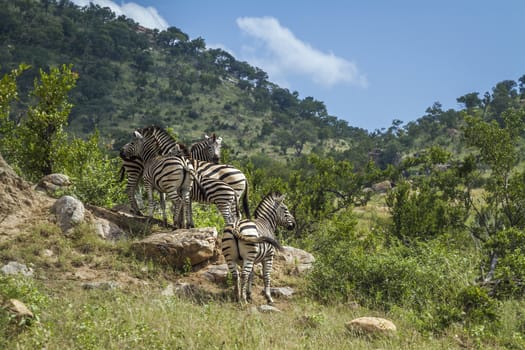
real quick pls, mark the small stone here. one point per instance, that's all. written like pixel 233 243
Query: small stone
pixel 282 292
pixel 13 268
pixel 19 308
pixel 371 325
pixel 268 308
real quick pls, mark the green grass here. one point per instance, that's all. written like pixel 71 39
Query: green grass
pixel 138 316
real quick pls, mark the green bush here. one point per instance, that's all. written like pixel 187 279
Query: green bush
pixel 426 279
pixel 93 173
pixel 509 274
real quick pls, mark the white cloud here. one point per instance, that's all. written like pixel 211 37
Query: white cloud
pixel 284 54
pixel 146 16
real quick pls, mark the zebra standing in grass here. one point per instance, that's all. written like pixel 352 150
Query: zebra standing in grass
pixel 158 141
pixel 249 242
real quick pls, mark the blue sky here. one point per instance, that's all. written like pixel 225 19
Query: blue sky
pixel 370 62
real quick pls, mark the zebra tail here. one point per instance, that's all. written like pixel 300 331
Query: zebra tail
pixel 259 239
pixel 245 204
pixel 121 172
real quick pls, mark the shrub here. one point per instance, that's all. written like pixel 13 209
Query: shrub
pixel 426 279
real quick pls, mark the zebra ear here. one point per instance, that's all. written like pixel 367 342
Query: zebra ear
pixel 280 198
pixel 138 135
pixel 206 136
pixel 219 140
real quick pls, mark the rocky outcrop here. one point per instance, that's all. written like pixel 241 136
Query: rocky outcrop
pixel 295 259
pixel 182 249
pixel 52 183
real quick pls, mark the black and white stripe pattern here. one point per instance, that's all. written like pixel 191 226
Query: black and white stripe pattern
pixel 208 149
pixel 249 242
pixel 157 141
pixel 154 141
pixel 172 175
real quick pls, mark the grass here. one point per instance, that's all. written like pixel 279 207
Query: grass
pixel 138 316
pixel 80 319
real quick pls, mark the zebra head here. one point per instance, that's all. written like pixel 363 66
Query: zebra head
pixel 134 148
pixel 210 148
pixel 284 217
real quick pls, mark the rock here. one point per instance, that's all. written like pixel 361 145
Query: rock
pixel 168 291
pixel 285 292
pixel 13 268
pixel 52 183
pixel 104 285
pixel 69 212
pixel 19 309
pixel 130 224
pixel 215 273
pixel 371 325
pixel 382 187
pixel 108 230
pixel 267 308
pixel 181 248
pixel 299 260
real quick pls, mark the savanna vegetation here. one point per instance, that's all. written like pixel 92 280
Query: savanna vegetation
pixel 441 253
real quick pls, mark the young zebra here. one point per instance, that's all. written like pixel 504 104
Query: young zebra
pixel 172 175
pixel 158 141
pixel 249 242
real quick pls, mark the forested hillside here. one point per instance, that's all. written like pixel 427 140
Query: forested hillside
pixel 423 221
pixel 130 77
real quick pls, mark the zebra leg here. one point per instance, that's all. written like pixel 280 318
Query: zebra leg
pixel 132 200
pixel 249 286
pixel 150 199
pixel 245 275
pixel 267 269
pixel 163 208
pixel 177 213
pixel 189 212
pixel 232 266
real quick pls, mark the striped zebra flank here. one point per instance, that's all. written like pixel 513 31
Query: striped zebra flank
pixel 147 143
pixel 249 242
pixel 172 175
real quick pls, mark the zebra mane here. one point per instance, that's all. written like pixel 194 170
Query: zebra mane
pixel 152 129
pixel 184 150
pixel 272 196
pixel 165 142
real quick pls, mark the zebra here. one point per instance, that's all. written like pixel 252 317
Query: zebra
pixel 171 175
pixel 208 149
pixel 249 242
pixel 158 141
pixel 211 190
pixel 155 141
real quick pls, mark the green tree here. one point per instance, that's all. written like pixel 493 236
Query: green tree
pixel 501 214
pixel 43 129
pixel 8 94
